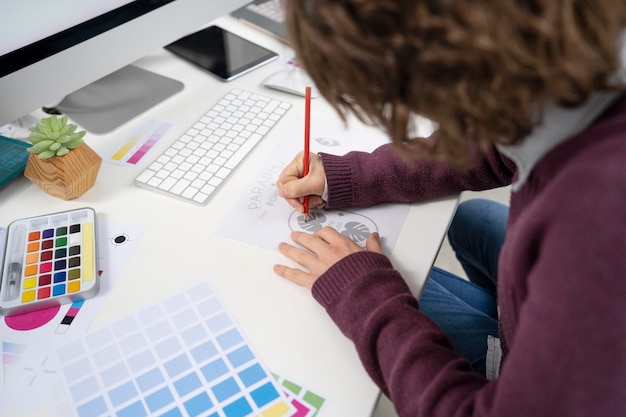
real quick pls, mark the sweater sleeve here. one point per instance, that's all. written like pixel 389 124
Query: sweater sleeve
pixel 362 179
pixel 398 345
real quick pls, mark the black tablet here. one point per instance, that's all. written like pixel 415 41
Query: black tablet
pixel 222 53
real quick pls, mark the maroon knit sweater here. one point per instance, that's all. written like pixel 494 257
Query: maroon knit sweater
pixel 561 289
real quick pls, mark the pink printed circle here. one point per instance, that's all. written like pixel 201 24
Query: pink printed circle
pixel 30 321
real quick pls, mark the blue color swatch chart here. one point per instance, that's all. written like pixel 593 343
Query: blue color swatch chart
pixel 185 356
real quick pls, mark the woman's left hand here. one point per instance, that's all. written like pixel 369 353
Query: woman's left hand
pixel 324 248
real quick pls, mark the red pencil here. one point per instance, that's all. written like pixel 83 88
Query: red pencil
pixel 307 139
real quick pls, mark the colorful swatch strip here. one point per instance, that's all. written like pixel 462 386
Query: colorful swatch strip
pixel 135 147
pixel 69 317
pixel 11 352
pixel 185 357
pixel 305 402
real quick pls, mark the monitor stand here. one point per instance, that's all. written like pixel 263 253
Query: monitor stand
pixel 113 100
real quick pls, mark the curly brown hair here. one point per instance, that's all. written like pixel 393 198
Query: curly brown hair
pixel 482 69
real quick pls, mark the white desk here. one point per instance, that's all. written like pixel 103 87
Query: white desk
pixel 164 261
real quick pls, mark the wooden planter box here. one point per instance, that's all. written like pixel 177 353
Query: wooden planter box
pixel 66 177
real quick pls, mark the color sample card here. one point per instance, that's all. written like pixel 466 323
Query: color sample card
pixel 185 356
pixel 305 402
pixel 132 150
pixel 49 260
pixel 69 317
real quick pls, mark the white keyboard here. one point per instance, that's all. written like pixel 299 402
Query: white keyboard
pixel 272 9
pixel 198 162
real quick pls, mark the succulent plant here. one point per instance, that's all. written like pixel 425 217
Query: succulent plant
pixel 54 137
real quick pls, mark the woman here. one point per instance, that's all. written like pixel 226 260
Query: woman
pixel 527 93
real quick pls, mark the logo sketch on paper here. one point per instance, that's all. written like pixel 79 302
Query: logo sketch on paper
pixel 352 225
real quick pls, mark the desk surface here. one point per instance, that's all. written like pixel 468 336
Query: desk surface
pixel 320 357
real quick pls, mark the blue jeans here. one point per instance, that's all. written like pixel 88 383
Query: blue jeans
pixel 467 310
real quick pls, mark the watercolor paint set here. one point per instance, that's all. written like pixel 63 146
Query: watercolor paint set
pixel 49 260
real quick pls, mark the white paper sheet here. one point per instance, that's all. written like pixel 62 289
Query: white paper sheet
pixel 31 377
pixel 262 218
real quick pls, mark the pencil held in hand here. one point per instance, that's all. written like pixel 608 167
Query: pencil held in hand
pixel 307 140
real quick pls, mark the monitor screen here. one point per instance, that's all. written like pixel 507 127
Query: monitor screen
pixel 49 50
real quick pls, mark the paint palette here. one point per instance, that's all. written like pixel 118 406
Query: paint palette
pixel 49 260
pixel 185 356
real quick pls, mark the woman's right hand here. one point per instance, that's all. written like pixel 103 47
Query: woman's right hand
pixel 292 186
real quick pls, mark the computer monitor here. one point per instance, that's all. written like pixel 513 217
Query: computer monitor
pixel 50 49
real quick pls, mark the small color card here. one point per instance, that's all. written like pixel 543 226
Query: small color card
pixel 49 260
pixel 305 402
pixel 69 317
pixel 11 352
pixel 135 147
pixel 185 356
